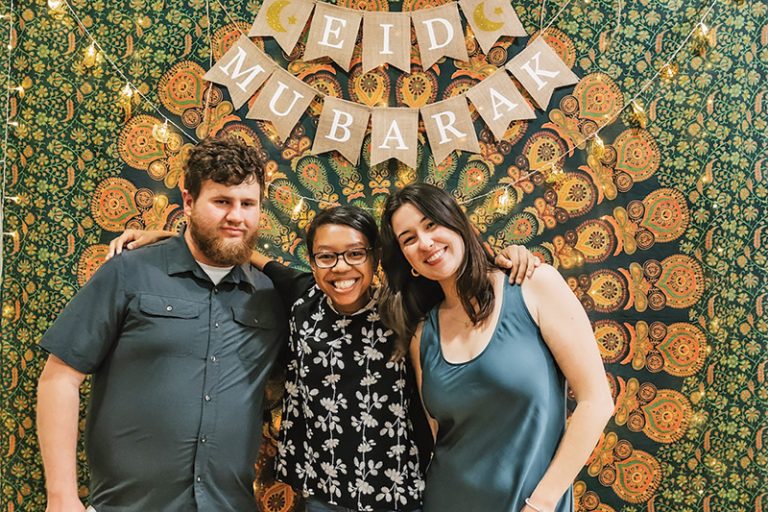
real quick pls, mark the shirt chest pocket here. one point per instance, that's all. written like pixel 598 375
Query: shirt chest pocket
pixel 167 326
pixel 260 333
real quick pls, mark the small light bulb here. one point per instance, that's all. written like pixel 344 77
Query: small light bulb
pixel 13 123
pixel 127 91
pixel 54 5
pixel 161 132
pixel 298 207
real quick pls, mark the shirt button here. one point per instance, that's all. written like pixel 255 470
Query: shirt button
pixel 214 359
pixel 203 439
pixel 216 325
pixel 207 398
pixel 199 479
pixel 169 308
pixel 215 289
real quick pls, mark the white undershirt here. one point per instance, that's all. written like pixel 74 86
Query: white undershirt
pixel 215 273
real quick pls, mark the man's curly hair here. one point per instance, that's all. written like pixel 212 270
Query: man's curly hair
pixel 228 161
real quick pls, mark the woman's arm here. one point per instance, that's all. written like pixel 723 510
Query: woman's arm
pixel 568 334
pixel 415 353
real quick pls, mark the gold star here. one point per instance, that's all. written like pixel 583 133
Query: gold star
pixel 292 20
pixel 498 10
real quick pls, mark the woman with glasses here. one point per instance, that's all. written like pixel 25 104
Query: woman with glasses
pixel 346 435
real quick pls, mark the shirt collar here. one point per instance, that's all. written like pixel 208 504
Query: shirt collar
pixel 179 260
pixel 371 304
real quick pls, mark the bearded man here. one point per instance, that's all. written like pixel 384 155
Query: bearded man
pixel 179 338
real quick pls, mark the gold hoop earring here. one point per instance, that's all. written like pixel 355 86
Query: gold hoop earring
pixel 414 273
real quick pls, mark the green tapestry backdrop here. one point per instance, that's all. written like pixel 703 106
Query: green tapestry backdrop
pixel 663 237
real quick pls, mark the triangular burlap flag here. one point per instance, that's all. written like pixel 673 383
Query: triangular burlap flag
pixel 491 19
pixel 540 70
pixel 449 126
pixel 386 40
pixel 498 102
pixel 241 70
pixel 282 101
pixel 282 19
pixel 439 34
pixel 342 127
pixel 395 134
pixel 333 33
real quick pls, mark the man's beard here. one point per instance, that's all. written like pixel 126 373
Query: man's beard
pixel 217 249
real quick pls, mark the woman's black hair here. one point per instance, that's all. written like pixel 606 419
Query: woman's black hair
pixel 408 299
pixel 346 215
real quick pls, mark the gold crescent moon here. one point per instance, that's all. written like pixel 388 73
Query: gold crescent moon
pixel 482 22
pixel 273 15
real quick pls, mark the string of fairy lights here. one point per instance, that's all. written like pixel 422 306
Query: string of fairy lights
pixel 10 89
pixel 96 52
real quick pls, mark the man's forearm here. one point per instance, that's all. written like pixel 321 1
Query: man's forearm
pixel 58 407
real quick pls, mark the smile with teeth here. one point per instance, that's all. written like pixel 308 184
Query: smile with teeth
pixel 435 256
pixel 346 284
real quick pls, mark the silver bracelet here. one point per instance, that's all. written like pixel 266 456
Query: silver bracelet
pixel 534 507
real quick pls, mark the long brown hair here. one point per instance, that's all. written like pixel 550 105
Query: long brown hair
pixel 407 299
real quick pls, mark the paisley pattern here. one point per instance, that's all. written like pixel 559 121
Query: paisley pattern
pixel 663 237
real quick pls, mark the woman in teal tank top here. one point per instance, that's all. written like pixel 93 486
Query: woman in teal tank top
pixel 492 359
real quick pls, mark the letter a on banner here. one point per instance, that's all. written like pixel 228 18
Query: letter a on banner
pixel 540 70
pixel 386 40
pixel 342 127
pixel 498 102
pixel 241 70
pixel 282 101
pixel 395 134
pixel 439 33
pixel 491 19
pixel 333 33
pixel 282 19
pixel 449 126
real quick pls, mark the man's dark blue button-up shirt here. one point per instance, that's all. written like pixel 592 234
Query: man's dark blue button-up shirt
pixel 179 367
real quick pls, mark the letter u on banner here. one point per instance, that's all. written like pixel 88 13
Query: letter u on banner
pixel 282 19
pixel 333 33
pixel 540 70
pixel 449 127
pixel 241 70
pixel 342 127
pixel 439 33
pixel 282 101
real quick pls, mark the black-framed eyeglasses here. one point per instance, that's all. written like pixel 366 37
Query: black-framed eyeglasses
pixel 353 257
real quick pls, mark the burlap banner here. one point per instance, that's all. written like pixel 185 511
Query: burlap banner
pixel 439 33
pixel 333 33
pixel 386 40
pixel 449 127
pixel 498 102
pixel 540 70
pixel 242 70
pixel 284 20
pixel 342 126
pixel 282 101
pixel 491 19
pixel 395 134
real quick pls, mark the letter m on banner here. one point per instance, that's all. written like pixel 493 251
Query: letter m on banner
pixel 241 70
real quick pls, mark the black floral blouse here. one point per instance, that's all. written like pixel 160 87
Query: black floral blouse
pixel 346 435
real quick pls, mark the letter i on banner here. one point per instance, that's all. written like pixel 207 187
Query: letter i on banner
pixel 395 134
pixel 440 34
pixel 386 40
pixel 282 19
pixel 241 70
pixel 333 33
pixel 449 127
pixel 498 102
pixel 540 70
pixel 342 127
pixel 282 101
